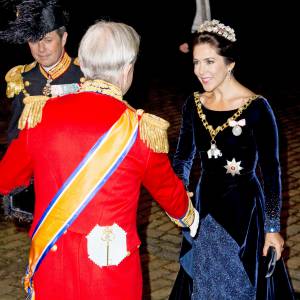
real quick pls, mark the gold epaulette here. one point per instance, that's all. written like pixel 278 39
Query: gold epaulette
pixel 14 79
pixel 153 131
pixel 33 111
pixel 76 62
pixel 30 66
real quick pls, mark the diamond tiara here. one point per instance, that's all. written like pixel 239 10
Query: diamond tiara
pixel 218 28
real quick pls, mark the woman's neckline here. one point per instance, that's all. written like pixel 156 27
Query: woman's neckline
pixel 218 111
pixel 228 110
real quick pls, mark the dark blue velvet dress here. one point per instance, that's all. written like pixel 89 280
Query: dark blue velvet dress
pixel 238 197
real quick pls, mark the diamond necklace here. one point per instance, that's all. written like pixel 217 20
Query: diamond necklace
pixel 214 151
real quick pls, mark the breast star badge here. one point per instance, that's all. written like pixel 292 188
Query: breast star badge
pixel 233 167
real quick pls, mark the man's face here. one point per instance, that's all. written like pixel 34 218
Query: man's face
pixel 49 49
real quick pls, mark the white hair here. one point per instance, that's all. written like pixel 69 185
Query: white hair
pixel 106 48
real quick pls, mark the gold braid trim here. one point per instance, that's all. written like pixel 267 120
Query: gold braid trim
pixel 59 69
pixel 153 132
pixel 14 79
pixel 33 111
pixel 76 62
pixel 101 87
pixel 188 218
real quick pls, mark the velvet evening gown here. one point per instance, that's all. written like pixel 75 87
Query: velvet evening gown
pixel 238 197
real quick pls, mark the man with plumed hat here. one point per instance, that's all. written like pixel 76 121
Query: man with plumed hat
pixel 41 24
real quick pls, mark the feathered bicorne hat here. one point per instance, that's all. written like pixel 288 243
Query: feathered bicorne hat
pixel 35 18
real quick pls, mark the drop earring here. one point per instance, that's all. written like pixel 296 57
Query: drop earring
pixel 229 73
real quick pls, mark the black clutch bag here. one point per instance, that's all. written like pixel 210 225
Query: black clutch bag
pixel 276 281
pixel 270 262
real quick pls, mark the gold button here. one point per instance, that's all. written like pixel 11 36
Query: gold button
pixel 54 248
pixel 27 83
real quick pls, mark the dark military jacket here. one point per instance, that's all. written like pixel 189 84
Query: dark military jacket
pixel 31 80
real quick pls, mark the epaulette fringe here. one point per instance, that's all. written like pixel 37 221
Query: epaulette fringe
pixel 153 131
pixel 33 111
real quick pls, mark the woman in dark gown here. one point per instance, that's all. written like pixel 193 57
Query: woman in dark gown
pixel 234 132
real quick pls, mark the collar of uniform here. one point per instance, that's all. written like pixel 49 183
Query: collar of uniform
pixel 102 87
pixel 59 69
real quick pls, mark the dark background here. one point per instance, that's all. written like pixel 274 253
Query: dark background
pixel 267 33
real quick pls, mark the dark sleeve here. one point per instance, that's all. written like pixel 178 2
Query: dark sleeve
pixel 266 134
pixel 186 148
pixel 16 110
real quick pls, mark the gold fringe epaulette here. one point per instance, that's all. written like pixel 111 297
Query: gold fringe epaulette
pixel 153 131
pixel 76 62
pixel 14 79
pixel 33 111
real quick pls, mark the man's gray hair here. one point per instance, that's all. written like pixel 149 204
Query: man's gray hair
pixel 106 48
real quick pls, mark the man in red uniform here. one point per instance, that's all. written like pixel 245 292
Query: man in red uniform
pixel 89 155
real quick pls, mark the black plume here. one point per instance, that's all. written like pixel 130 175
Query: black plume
pixel 35 18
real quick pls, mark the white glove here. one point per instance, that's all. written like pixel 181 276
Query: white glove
pixel 195 225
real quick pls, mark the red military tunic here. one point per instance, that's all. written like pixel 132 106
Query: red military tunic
pixel 51 151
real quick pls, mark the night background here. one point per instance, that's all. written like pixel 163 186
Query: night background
pixel 268 36
pixel 267 32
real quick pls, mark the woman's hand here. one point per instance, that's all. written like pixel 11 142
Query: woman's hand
pixel 273 239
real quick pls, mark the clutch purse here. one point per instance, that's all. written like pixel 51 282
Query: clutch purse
pixel 270 262
pixel 276 282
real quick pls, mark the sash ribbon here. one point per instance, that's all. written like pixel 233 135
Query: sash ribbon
pixel 79 189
